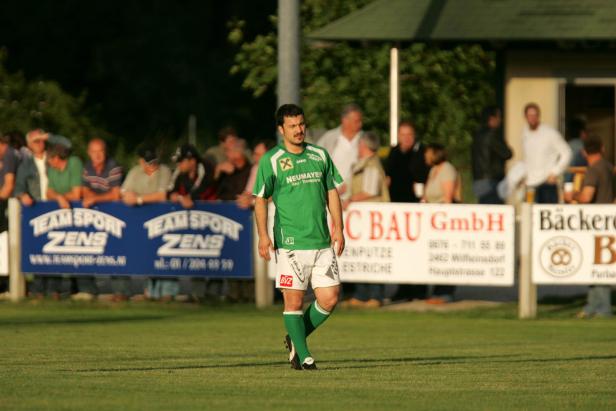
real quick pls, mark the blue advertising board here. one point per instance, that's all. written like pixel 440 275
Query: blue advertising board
pixel 209 240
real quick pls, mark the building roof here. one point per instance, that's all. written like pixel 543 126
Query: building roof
pixel 476 20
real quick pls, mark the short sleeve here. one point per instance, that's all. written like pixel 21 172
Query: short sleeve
pixel 129 182
pixel 164 179
pixel 333 178
pixel 371 181
pixel 10 162
pixel 264 184
pixel 591 178
pixel 115 174
pixel 448 173
pixel 76 171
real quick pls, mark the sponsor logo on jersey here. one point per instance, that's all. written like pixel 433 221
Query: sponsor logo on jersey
pixel 286 164
pixel 289 240
pixel 286 281
pixel 191 244
pixel 77 241
pixel 301 160
pixel 314 157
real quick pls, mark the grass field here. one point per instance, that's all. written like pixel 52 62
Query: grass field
pixel 66 356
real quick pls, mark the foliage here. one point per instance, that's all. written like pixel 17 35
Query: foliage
pixel 442 89
pixel 25 105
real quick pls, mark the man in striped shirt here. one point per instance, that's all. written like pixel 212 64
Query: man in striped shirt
pixel 102 176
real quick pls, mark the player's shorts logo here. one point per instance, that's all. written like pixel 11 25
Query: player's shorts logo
pixel 286 164
pixel 286 281
pixel 561 256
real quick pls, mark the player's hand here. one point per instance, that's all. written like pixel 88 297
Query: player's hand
pixel 338 242
pixel 63 202
pixel 186 202
pixel 129 198
pixel 88 202
pixel 265 245
pixel 552 179
pixel 26 200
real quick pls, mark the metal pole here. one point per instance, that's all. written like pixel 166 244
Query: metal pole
pixel 264 289
pixel 288 52
pixel 192 129
pixel 394 96
pixel 17 282
pixel 527 298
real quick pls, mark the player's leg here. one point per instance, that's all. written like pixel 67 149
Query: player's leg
pixel 326 284
pixel 292 282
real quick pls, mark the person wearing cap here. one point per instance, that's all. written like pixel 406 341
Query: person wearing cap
pixel 30 187
pixel 102 178
pixel 147 183
pixel 191 180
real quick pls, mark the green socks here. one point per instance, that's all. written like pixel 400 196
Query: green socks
pixel 294 323
pixel 313 317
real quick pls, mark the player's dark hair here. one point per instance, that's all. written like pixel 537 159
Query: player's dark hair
pixel 593 144
pixel 58 150
pixel 531 105
pixel 487 112
pixel 439 154
pixel 287 110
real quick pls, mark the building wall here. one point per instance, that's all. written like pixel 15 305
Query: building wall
pixel 537 76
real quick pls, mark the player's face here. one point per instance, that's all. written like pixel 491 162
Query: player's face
pixel 532 117
pixel 96 152
pixel 293 130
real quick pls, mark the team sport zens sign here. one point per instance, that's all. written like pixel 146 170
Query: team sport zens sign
pixel 213 239
pixel 574 244
pixel 428 244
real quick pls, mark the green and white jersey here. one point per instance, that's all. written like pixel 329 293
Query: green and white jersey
pixel 298 184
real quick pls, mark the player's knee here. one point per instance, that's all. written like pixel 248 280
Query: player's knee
pixel 328 302
pixel 293 302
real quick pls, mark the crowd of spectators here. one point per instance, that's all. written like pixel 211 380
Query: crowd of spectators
pixel 42 167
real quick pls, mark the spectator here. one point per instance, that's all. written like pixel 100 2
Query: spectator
pixel 147 183
pixel 190 181
pixel 30 187
pixel 407 172
pixel 65 185
pixel 489 154
pixel 232 174
pixel 102 178
pixel 441 188
pixel 8 166
pixel 226 138
pixel 597 188
pixel 246 199
pixel 341 144
pixel 368 184
pixel 577 135
pixel 546 155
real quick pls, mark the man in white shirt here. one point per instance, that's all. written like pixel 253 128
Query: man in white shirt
pixel 546 155
pixel 342 145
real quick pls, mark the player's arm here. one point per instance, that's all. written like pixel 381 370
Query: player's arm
pixel 265 243
pixel 585 196
pixel 335 209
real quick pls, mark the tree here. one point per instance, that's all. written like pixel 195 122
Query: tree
pixel 25 105
pixel 442 90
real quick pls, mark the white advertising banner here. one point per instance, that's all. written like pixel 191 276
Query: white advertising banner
pixel 462 244
pixel 4 253
pixel 574 244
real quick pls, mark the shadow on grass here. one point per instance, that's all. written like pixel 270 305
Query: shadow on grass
pixel 363 363
pixel 92 320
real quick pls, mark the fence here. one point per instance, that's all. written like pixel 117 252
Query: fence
pixel 386 243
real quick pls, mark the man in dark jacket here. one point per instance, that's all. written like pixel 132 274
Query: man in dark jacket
pixel 490 152
pixel 407 172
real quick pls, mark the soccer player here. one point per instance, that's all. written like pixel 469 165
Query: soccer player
pixel 301 179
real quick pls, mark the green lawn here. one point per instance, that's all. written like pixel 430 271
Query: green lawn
pixel 182 357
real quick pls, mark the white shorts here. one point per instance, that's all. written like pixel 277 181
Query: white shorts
pixel 295 268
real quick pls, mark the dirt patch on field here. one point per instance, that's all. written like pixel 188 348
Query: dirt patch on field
pixel 422 306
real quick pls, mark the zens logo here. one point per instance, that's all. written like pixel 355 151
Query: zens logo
pixel 561 257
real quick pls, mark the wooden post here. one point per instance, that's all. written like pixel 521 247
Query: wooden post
pixel 264 289
pixel 17 282
pixel 394 96
pixel 527 298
